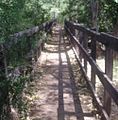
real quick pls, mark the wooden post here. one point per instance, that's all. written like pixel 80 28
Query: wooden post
pixel 81 42
pixel 39 48
pixel 93 55
pixel 46 27
pixel 37 53
pixel 76 47
pixel 85 45
pixel 73 31
pixel 108 71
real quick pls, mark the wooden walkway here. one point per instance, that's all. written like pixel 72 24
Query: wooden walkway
pixel 62 94
pixel 68 78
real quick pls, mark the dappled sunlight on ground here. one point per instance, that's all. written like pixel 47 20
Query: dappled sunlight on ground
pixel 60 91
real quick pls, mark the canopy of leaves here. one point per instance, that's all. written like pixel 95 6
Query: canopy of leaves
pixel 108 15
pixel 80 10
pixel 17 15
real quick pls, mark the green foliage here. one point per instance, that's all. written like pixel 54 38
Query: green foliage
pixel 17 15
pixel 16 94
pixel 80 10
pixel 34 14
pixel 10 16
pixel 108 15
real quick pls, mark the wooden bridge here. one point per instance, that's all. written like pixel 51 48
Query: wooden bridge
pixel 69 83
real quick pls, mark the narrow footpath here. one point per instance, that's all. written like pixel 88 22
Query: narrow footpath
pixel 60 90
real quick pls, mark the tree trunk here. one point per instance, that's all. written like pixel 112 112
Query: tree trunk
pixel 115 30
pixel 94 9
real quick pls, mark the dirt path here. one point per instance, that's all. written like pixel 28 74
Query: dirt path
pixel 57 96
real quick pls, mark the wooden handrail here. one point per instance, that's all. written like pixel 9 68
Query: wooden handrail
pixel 104 78
pixel 104 38
pixel 15 38
pixel 28 33
pixel 4 47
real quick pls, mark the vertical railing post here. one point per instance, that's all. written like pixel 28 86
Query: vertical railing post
pixel 37 53
pixel 81 42
pixel 108 71
pixel 85 45
pixel 50 28
pixel 72 29
pixel 93 55
pixel 77 36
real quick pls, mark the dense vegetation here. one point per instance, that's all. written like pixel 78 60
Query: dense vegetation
pixel 18 15
pixel 81 10
pixel 15 16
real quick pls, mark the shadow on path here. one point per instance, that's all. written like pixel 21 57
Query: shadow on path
pixel 77 112
pixel 59 99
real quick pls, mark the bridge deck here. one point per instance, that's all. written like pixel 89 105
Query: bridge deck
pixel 60 91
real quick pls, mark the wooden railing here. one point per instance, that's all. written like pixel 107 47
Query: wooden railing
pixel 28 33
pixel 15 38
pixel 81 42
pixel 13 41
